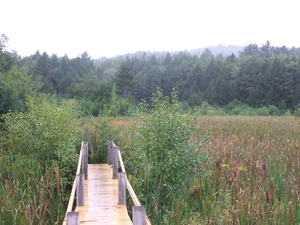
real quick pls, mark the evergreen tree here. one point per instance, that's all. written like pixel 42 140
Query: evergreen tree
pixel 124 81
pixel 7 59
pixel 250 81
pixel 43 69
pixel 266 50
pixel 250 50
pixel 280 84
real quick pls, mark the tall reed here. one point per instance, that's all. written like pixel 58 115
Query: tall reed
pixel 252 171
pixel 30 193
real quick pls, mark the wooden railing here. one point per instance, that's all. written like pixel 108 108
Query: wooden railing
pixel 72 217
pixel 115 159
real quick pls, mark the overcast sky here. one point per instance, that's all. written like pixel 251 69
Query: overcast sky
pixel 114 27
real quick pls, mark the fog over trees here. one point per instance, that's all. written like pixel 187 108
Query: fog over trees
pixel 220 76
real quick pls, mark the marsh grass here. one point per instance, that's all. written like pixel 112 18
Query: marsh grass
pixel 29 192
pixel 250 174
pixel 252 170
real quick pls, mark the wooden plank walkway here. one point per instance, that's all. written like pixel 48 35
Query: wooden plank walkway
pixel 101 198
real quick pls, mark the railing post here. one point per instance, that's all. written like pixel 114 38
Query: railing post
pixel 110 153
pixel 115 162
pixel 121 189
pixel 73 218
pixel 80 190
pixel 139 215
pixel 85 156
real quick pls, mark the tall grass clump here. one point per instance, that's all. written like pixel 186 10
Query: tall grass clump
pixel 162 158
pixel 252 172
pixel 30 193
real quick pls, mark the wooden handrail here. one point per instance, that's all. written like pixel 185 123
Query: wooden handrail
pixel 121 163
pixel 133 196
pixel 72 196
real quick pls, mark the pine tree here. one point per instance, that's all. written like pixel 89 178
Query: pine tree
pixel 124 81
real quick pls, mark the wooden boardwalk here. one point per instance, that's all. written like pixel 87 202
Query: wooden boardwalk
pixel 101 198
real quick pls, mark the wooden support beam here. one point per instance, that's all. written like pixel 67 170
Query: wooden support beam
pixel 115 162
pixel 73 218
pixel 110 153
pixel 80 190
pixel 121 189
pixel 85 156
pixel 139 215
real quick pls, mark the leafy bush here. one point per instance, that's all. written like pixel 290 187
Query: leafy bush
pixel 45 131
pixel 163 157
pixel 98 131
pixel 119 106
pixel 92 107
pixel 237 108
pixel 15 85
pixel 297 112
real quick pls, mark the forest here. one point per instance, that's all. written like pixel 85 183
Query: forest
pixel 266 78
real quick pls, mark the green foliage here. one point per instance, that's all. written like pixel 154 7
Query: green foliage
pixel 15 85
pixel 98 131
pixel 297 112
pixel 207 109
pixel 91 107
pixel 7 59
pixel 163 157
pixel 258 77
pixel 118 105
pixel 45 131
pixel 124 81
pixel 249 50
pixel 92 93
pixel 91 87
pixel 238 108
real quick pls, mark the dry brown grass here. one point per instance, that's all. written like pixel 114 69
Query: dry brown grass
pixel 254 162
pixel 251 173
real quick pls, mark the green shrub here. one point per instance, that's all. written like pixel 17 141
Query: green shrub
pixel 98 131
pixel 163 156
pixel 46 131
pixel 297 112
pixel 263 111
pixel 205 107
pixel 119 106
pixel 15 85
pixel 274 111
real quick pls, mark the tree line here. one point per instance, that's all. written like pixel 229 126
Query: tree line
pixel 257 77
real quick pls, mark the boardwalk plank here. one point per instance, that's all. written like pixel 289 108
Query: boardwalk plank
pixel 101 198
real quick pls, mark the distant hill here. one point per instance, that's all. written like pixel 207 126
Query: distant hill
pixel 215 50
pixel 219 49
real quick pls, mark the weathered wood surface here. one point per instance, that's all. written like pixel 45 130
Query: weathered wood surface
pixel 101 198
pixel 72 196
pixel 72 218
